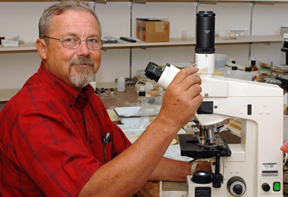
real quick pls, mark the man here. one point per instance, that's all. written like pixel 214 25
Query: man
pixel 56 138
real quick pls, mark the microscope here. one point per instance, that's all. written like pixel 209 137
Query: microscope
pixel 252 168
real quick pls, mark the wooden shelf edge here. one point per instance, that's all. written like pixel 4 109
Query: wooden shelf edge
pixel 163 1
pixel 29 47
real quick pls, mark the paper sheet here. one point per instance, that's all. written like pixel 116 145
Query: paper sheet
pixel 113 116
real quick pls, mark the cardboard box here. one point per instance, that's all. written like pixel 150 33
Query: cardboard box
pixel 151 30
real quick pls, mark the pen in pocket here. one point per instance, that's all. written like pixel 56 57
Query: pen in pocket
pixel 105 140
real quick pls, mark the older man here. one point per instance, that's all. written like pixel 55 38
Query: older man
pixel 56 138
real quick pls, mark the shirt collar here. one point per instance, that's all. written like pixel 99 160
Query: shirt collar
pixel 61 89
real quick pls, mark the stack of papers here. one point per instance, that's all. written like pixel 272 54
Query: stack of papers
pixel 173 152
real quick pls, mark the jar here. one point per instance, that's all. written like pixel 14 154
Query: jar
pixel 242 32
pixel 232 33
pixel 121 84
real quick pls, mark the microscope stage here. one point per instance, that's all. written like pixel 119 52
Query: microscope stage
pixel 190 146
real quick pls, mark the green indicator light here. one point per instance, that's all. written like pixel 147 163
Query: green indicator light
pixel 276 186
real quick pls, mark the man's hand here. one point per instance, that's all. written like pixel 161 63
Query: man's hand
pixel 182 98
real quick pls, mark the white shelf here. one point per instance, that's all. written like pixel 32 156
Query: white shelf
pixel 6 95
pixel 163 1
pixel 249 39
pixel 30 47
pixel 27 47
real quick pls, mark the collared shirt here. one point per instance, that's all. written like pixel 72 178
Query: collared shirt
pixel 51 138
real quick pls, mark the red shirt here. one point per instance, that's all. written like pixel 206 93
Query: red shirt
pixel 51 138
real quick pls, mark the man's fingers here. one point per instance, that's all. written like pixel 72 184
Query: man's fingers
pixel 191 80
pixel 194 90
pixel 184 73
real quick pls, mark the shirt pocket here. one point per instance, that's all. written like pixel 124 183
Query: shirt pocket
pixel 108 151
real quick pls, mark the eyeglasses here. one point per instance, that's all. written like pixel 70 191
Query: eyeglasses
pixel 75 42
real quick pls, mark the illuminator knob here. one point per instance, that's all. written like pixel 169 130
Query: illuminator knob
pixel 266 187
pixel 236 186
pixel 238 189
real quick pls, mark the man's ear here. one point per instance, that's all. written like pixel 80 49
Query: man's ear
pixel 41 48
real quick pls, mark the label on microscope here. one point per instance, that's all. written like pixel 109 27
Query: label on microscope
pixel 269 170
pixel 269 166
pixel 269 173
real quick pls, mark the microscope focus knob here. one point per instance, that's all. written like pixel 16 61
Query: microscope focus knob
pixel 266 187
pixel 236 186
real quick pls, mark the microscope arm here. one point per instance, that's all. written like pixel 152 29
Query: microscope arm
pixel 224 98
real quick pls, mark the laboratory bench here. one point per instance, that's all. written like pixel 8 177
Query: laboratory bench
pixel 119 99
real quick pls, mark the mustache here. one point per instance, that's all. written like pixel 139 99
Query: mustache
pixel 82 60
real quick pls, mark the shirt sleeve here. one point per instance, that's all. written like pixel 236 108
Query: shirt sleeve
pixel 47 150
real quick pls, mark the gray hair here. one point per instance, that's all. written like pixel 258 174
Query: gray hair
pixel 59 8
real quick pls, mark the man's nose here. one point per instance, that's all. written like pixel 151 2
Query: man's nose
pixel 83 48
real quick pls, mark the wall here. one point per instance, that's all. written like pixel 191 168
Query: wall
pixel 22 19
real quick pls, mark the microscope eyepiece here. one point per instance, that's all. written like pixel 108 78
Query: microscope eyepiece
pixel 153 71
pixel 163 75
pixel 205 34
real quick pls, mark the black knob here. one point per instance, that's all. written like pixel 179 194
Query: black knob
pixel 238 189
pixel 266 187
pixel 236 186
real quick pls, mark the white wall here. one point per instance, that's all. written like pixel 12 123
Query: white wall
pixel 22 19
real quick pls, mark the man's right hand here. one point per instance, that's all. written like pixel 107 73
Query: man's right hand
pixel 182 98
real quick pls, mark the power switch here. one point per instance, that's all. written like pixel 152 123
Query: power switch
pixel 276 186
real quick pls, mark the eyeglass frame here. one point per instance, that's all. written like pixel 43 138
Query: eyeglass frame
pixel 63 39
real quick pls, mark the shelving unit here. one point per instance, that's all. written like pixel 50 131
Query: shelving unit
pixel 5 95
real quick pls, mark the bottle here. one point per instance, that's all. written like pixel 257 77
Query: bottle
pixel 102 94
pixel 255 71
pixel 232 33
pixel 253 65
pixel 141 98
pixel 106 92
pixel 144 111
pixel 148 87
pixel 93 84
pixel 121 84
pixel 159 96
pixel 111 92
pixel 96 91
